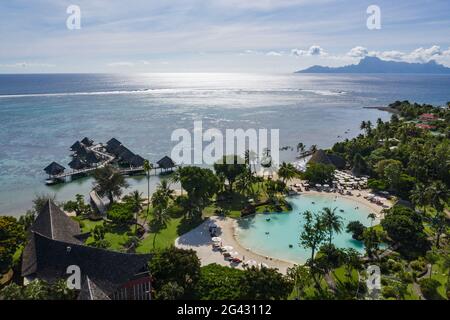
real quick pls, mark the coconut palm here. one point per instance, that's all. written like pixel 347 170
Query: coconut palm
pixel 135 201
pixel 109 182
pixel 313 148
pixel 148 166
pixel 287 171
pixel 300 147
pixel 372 216
pixel 160 203
pixel 332 222
pixel 419 196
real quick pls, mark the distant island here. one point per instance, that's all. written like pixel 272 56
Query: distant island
pixel 376 65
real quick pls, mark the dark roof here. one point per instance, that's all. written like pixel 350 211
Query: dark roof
pixel 91 158
pixel 137 161
pixel 76 164
pixel 126 155
pixel 76 146
pixel 87 142
pixel 82 152
pixel 52 222
pixel 113 143
pixel 54 168
pixel 107 269
pixel 116 150
pixel 90 291
pixel 166 163
pixel 320 156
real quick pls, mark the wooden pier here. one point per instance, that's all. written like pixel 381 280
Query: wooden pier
pixel 106 159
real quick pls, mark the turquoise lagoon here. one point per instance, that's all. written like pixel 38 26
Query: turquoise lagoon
pixel 271 234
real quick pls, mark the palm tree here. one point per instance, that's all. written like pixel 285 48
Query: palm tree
pixel 244 183
pixel 287 171
pixel 419 196
pixel 135 201
pixel 332 222
pixel 313 148
pixel 160 203
pixel 164 188
pixel 363 125
pixel 148 166
pixel 109 182
pixel 372 216
pixel 300 147
pixel 176 178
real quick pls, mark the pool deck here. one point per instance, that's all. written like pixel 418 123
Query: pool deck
pixel 199 239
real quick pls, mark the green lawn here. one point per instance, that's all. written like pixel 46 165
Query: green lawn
pixel 117 236
pixel 165 238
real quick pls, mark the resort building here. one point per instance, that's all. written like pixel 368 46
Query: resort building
pixel 56 243
pixel 428 117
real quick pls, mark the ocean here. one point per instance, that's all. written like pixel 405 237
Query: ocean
pixel 43 115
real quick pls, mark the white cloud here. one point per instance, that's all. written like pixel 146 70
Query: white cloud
pixel 312 51
pixel 358 52
pixel 274 54
pixel 425 55
pixel 417 55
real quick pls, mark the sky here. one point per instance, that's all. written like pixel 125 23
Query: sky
pixel 216 35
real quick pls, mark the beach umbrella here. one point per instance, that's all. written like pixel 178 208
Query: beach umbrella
pixel 216 239
pixel 370 195
pixel 326 185
pixel 318 185
pixel 251 263
pixel 234 254
pixel 228 248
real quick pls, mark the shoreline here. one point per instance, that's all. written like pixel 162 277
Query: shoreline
pixel 199 239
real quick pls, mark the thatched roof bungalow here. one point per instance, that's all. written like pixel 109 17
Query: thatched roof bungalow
pixel 137 161
pixel 77 146
pixel 87 142
pixel 320 156
pixel 166 163
pixel 54 168
pixel 76 164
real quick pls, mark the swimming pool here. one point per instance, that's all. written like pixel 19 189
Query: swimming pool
pixel 272 238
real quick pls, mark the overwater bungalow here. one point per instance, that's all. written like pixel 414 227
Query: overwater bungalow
pixel 137 161
pixel 76 147
pixel 166 163
pixel 54 244
pixel 125 155
pixel 82 153
pixel 87 142
pixel 112 145
pixel 54 169
pixel 77 164
pixel 91 158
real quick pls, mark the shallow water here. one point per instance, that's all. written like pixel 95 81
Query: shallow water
pixel 42 115
pixel 284 228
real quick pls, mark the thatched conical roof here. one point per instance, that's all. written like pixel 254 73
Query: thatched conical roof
pixel 87 142
pixel 166 163
pixel 54 169
pixel 76 164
